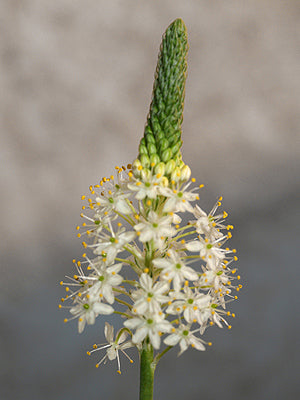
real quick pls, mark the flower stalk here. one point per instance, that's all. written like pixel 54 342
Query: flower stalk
pixel 147 368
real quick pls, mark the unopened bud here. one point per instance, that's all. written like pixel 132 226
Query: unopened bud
pixel 166 155
pixel 154 159
pixel 185 173
pixel 170 166
pixel 145 161
pixel 136 168
pixel 160 168
pixel 176 174
pixel 145 174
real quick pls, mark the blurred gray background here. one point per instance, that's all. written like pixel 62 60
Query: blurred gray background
pixel 75 87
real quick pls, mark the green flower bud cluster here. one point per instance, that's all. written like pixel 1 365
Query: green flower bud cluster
pixel 159 149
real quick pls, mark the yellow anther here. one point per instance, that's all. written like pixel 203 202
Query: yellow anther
pixel 233 315
pixel 67 289
pixel 131 361
pixel 61 283
pixel 84 245
pixel 97 365
pixel 137 217
pixel 89 268
pixel 59 306
pixel 235 258
pixel 197 198
pixel 113 273
pixel 182 241
pixel 234 250
pixel 211 323
pixel 173 330
pixel 140 167
pixel 149 202
pixel 138 183
pixel 66 320
pixel 104 259
pixel 152 164
pixel 119 372
pixel 87 296
pixel 146 270
pixel 95 346
pixel 82 197
pixel 62 299
pixel 235 297
pixel 177 226
pixel 78 235
pixel 78 263
pixel 148 299
pixel 225 215
pixel 75 277
pixel 84 255
pixel 186 283
pixel 158 176
pixel 228 313
pixel 82 215
pixel 193 180
pixel 83 208
pixel 213 313
pixel 201 186
pixel 229 326
pixel 195 308
pixel 83 224
pixel 229 235
pixel 129 166
pixel 79 294
pixel 101 295
pixel 172 182
pixel 130 174
pixel 209 343
pixel 169 302
pixel 88 353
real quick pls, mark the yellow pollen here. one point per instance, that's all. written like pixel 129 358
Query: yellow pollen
pixel 225 214
pixel 82 215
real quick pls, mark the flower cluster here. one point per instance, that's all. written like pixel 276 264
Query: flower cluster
pixel 142 222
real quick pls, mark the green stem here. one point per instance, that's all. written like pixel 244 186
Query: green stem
pixel 146 372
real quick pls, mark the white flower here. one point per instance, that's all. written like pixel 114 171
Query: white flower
pixel 150 325
pixel 185 338
pixel 189 303
pixel 103 281
pixel 148 188
pixel 110 246
pixel 155 227
pixel 206 224
pixel 115 201
pixel 87 311
pixel 149 297
pixel 114 345
pixel 210 251
pixel 175 270
pixel 178 200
